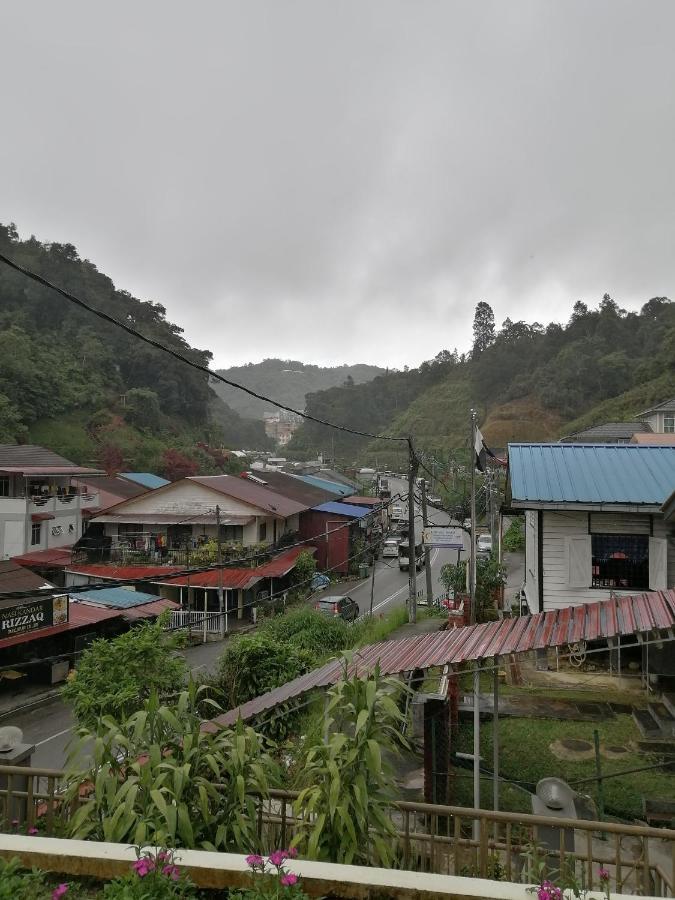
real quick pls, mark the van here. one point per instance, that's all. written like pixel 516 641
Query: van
pixel 404 556
pixel 390 547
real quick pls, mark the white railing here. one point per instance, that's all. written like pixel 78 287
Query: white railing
pixel 192 618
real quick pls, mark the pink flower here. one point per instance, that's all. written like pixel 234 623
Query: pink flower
pixel 143 866
pixel 255 861
pixel 171 872
pixel 32 830
pixel 292 852
pixel 59 891
pixel 603 874
pixel 277 858
pixel 289 879
pixel 163 855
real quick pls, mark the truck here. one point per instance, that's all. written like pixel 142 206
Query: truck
pixel 404 556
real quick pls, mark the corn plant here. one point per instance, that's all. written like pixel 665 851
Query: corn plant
pixel 159 778
pixel 346 778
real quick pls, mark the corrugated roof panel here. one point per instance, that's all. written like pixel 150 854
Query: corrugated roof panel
pixel 146 479
pixel 554 628
pixel 334 507
pixel 591 473
pixel 117 598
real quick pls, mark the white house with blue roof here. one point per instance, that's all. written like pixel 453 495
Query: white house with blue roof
pixel 594 522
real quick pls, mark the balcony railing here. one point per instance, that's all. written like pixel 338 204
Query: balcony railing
pixel 446 840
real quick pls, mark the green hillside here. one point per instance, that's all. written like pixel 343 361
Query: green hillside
pixel 86 389
pixel 286 380
pixel 527 382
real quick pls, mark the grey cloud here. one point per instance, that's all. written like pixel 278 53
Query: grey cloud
pixel 343 181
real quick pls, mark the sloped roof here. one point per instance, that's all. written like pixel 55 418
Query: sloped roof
pixel 340 490
pixel 249 492
pixel 122 573
pixel 14 577
pixel 30 459
pixel 115 597
pixel 608 433
pixel 292 487
pixel 590 474
pixel 336 508
pixel 146 479
pixel 58 558
pixel 667 404
pixel 654 440
pixel 604 619
pixel 113 484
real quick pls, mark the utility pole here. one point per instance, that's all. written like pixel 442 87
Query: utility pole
pixel 372 579
pixel 219 559
pixel 472 556
pixel 412 544
pixel 427 550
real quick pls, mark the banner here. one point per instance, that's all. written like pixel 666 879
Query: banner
pixel 32 615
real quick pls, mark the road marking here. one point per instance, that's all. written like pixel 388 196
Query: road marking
pixel 54 736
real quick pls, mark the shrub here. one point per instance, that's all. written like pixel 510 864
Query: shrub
pixel 18 884
pixel 154 876
pixel 310 630
pixel 514 536
pixel 114 677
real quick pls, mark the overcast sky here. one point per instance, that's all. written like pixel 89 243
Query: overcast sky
pixel 344 181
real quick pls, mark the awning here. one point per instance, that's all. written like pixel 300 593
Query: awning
pixel 58 558
pixel 41 517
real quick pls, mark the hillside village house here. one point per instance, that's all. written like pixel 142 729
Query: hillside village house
pixel 594 520
pixel 185 512
pixel 42 510
pixel 661 418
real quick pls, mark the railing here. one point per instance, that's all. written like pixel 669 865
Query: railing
pixel 447 840
pixel 191 618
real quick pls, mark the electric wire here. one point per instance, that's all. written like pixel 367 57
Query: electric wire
pixel 179 356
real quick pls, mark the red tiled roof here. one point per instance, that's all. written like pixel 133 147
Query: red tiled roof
pixel 639 614
pixel 147 610
pixel 232 579
pixel 119 573
pixel 80 616
pixel 283 563
pixel 363 501
pixel 58 558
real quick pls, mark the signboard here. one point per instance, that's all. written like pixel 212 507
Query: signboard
pixel 32 615
pixel 444 536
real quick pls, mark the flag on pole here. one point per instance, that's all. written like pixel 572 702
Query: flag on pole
pixel 482 451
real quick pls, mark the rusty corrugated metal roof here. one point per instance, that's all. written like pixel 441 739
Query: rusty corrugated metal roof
pixel 621 616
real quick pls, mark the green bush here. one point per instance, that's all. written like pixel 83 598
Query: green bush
pixel 114 677
pixel 514 536
pixel 18 884
pixel 310 630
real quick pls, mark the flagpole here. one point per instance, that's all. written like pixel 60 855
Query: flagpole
pixel 472 552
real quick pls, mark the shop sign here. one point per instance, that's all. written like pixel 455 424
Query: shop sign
pixel 443 536
pixel 32 615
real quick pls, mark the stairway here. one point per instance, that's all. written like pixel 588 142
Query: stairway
pixel 657 721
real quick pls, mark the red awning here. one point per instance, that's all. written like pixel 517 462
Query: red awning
pixel 58 558
pixel 41 517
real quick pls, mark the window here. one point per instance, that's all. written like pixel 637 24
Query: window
pixel 4 486
pixel 35 533
pixel 620 561
pixel 232 533
pixel 262 532
pixel 669 424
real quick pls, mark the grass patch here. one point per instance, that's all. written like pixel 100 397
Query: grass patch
pixel 525 756
pixel 371 631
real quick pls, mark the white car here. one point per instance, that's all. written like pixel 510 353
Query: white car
pixel 390 547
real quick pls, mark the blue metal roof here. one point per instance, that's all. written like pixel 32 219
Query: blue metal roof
pixel 147 479
pixel 343 509
pixel 591 473
pixel 119 598
pixel 340 489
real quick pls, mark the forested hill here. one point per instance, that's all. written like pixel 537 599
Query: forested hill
pixel 86 389
pixel 528 382
pixel 287 381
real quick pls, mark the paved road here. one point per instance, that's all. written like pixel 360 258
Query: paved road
pixel 50 726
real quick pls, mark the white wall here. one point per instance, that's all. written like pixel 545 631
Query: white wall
pixel 187 498
pixel 559 527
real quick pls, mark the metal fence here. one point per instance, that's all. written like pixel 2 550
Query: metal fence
pixel 196 620
pixel 431 838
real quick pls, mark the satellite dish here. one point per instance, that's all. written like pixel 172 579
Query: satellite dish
pixel 10 737
pixel 554 793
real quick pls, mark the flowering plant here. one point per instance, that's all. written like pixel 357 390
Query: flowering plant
pixel 271 879
pixel 547 890
pixel 154 876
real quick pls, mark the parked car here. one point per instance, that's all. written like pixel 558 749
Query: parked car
pixel 432 498
pixel 484 545
pixel 338 608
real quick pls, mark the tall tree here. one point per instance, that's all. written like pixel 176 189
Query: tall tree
pixel 483 328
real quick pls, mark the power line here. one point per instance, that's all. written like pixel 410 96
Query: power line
pixel 197 570
pixel 179 356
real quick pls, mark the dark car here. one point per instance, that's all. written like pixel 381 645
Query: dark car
pixel 338 607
